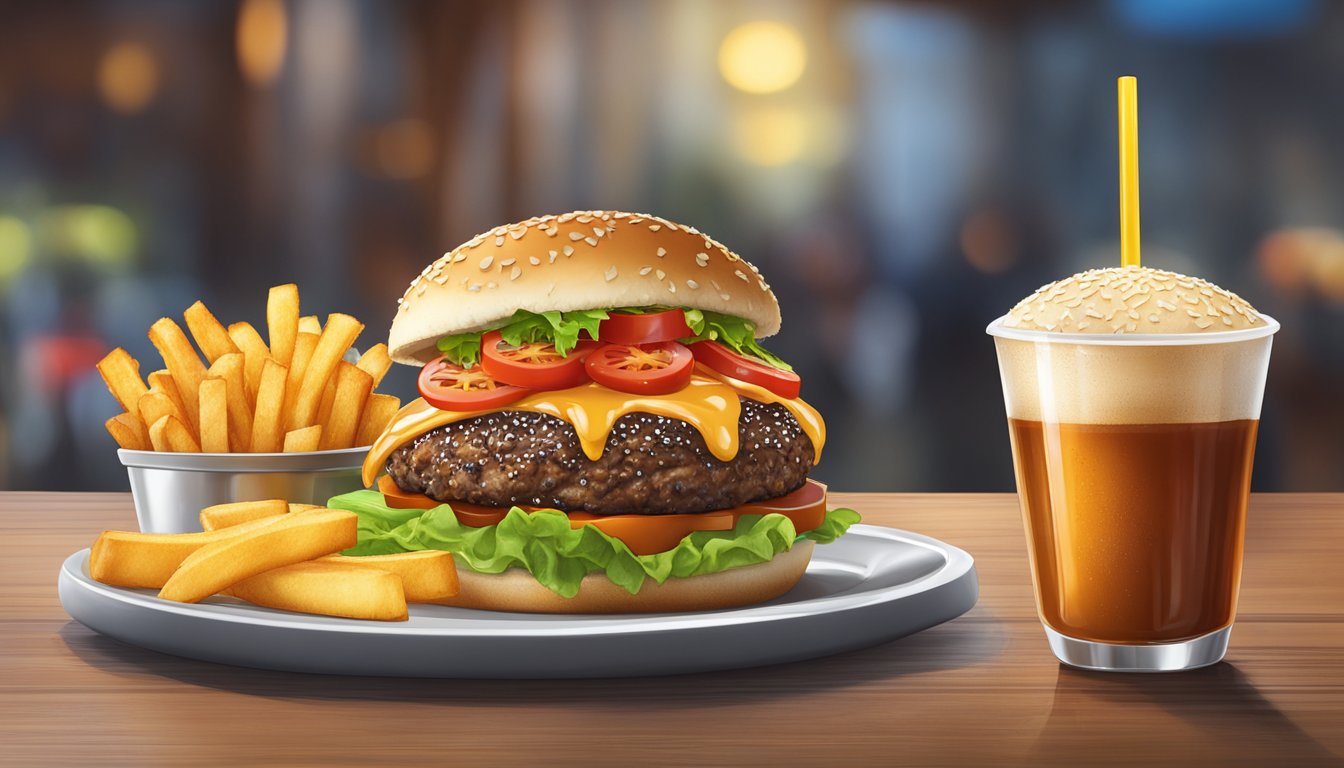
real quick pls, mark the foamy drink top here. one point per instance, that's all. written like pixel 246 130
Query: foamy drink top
pixel 1132 300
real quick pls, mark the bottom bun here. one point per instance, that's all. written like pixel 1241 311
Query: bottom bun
pixel 516 589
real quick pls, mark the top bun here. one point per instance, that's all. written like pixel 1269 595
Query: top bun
pixel 1132 300
pixel 579 260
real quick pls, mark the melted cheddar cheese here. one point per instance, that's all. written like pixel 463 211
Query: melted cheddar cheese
pixel 710 403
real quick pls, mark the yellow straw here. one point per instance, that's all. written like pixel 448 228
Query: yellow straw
pixel 1127 90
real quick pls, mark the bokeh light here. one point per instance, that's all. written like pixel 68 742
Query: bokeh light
pixel 98 234
pixel 404 149
pixel 16 246
pixel 989 241
pixel 762 57
pixel 770 135
pixel 128 77
pixel 262 32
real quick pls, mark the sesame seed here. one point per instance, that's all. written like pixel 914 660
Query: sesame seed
pixel 507 262
pixel 460 257
pixel 553 255
pixel 513 275
pixel 672 287
pixel 724 296
pixel 599 231
pixel 486 262
pixel 742 275
pixel 1164 304
pixel 702 259
pixel 1203 323
pixel 474 287
pixel 645 270
pixel 1153 318
pixel 590 240
pixel 517 233
pixel 660 274
pixel 568 250
pixel 692 284
pixel 576 236
pixel 662 252
pixel 655 227
pixel 611 274
pixel 491 284
pixel 534 261
pixel 499 240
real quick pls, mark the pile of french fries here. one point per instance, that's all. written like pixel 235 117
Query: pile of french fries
pixel 295 393
pixel 277 555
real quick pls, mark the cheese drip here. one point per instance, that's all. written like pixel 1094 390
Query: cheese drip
pixel 710 403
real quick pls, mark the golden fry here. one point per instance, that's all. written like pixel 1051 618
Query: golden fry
pixel 292 539
pixel 426 575
pixel 121 373
pixel 352 389
pixel 303 439
pixel 310 324
pixel 209 334
pixel 266 420
pixel 302 507
pixel 214 416
pixel 129 431
pixel 379 410
pixel 162 381
pixel 170 434
pixel 328 399
pixel 181 361
pixel 147 560
pixel 230 368
pixel 376 362
pixel 340 332
pixel 303 352
pixel 255 353
pixel 326 589
pixel 238 512
pixel 282 321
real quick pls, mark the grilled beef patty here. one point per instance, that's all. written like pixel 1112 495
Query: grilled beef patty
pixel 651 465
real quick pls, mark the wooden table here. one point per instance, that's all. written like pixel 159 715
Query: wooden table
pixel 983 689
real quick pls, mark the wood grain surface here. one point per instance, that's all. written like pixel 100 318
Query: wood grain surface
pixel 980 690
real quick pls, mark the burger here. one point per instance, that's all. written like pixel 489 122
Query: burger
pixel 599 429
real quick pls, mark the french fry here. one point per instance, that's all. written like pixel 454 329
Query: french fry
pixel 266 420
pixel 162 381
pixel 328 399
pixel 121 373
pixel 303 439
pixel 147 560
pixel 229 368
pixel 310 324
pixel 170 434
pixel 155 404
pixel 255 353
pixel 210 335
pixel 337 336
pixel 379 410
pixel 214 416
pixel 375 362
pixel 227 515
pixel 282 321
pixel 303 352
pixel 426 575
pixel 292 539
pixel 129 431
pixel 181 360
pixel 352 389
pixel 301 507
pixel 327 589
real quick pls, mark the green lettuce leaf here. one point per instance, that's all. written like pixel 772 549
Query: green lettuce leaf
pixel 559 556
pixel 732 332
pixel 462 349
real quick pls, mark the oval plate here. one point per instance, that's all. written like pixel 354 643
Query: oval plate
pixel 872 585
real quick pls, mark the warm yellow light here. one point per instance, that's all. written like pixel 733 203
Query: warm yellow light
pixel 99 234
pixel 771 136
pixel 405 149
pixel 128 77
pixel 762 57
pixel 16 246
pixel 262 28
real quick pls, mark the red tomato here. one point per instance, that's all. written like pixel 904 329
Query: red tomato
pixel 450 387
pixel 806 507
pixel 786 384
pixel 535 365
pixel 621 328
pixel 648 369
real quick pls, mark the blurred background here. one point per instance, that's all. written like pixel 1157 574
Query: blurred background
pixel 901 173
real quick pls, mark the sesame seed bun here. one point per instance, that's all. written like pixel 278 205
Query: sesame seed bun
pixel 516 589
pixel 579 260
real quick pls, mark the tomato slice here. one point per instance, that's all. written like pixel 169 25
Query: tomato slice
pixel 786 384
pixel 646 369
pixel 535 365
pixel 450 387
pixel 806 507
pixel 652 328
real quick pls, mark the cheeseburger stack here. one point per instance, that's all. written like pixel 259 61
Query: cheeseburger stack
pixel 599 430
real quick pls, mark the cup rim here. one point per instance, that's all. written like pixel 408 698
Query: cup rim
pixel 307 461
pixel 997 329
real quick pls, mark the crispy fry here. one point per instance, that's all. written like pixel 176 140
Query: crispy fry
pixel 337 336
pixel 155 404
pixel 375 362
pixel 230 368
pixel 266 420
pixel 255 353
pixel 352 389
pixel 121 373
pixel 129 431
pixel 378 412
pixel 301 507
pixel 214 416
pixel 327 589
pixel 310 324
pixel 328 399
pixel 282 321
pixel 426 575
pixel 226 515
pixel 209 334
pixel 170 434
pixel 303 439
pixel 292 539
pixel 181 361
pixel 162 381
pixel 147 560
pixel 303 352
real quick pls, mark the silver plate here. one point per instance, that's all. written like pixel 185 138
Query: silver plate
pixel 872 585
